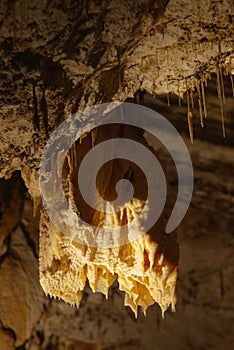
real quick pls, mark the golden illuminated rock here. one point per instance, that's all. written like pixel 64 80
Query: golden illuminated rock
pixel 145 267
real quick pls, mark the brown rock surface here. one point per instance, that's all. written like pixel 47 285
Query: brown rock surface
pixel 204 313
pixel 21 301
pixel 11 193
pixel 60 56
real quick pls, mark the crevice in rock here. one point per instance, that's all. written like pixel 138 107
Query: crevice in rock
pixel 8 330
pixel 29 239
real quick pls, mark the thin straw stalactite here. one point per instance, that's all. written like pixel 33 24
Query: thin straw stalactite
pixel 168 96
pixel 200 105
pixel 191 97
pixel 167 56
pixel 221 96
pixel 189 114
pixel 231 78
pixel 74 154
pixel 178 92
pixel 222 85
pixel 203 99
pixel 168 100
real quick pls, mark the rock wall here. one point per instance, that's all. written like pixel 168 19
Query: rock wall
pixel 59 56
pixel 204 312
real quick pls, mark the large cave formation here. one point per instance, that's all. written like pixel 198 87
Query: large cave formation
pixel 61 56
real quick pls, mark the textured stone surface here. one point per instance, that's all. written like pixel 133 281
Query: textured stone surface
pixel 21 296
pixel 11 204
pixel 204 312
pixel 205 305
pixel 60 56
pixel 6 339
pixel 56 57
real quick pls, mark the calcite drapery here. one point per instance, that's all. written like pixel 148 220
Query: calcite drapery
pixel 146 268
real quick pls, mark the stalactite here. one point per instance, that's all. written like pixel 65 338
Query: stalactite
pixel 182 61
pixel 70 156
pixel 178 91
pixel 157 62
pixel 168 100
pixel 194 49
pixel 120 82
pixel 36 123
pixel 231 78
pixel 74 154
pixel 93 136
pixel 168 96
pixel 226 69
pixel 222 86
pixel 203 99
pixel 157 281
pixel 191 97
pixel 200 105
pixel 137 98
pixel 220 96
pixel 44 110
pixel 219 47
pixel 157 72
pixel 142 63
pixel 163 33
pixel 167 57
pixel 189 114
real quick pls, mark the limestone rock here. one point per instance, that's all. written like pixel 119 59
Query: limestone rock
pixel 21 301
pixel 145 267
pixel 7 341
pixel 60 57
pixel 11 204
